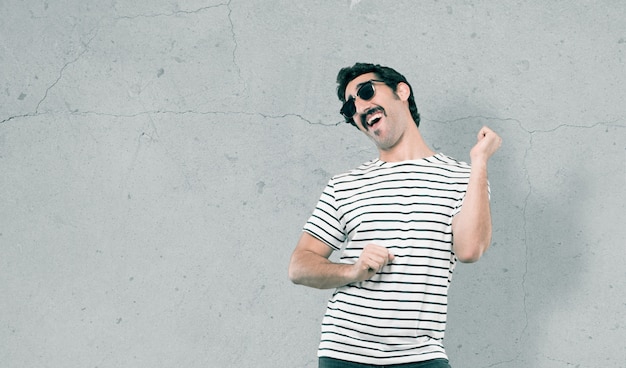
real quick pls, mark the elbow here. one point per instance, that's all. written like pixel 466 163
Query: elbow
pixel 299 278
pixel 468 257
pixel 294 275
pixel 294 278
pixel 470 254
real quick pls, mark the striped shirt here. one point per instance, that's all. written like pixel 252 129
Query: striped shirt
pixel 399 315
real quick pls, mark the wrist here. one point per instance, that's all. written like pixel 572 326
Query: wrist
pixel 352 273
pixel 479 164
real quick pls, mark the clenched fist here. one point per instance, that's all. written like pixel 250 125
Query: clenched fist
pixel 487 144
pixel 372 260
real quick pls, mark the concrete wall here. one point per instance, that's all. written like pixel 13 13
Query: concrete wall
pixel 159 158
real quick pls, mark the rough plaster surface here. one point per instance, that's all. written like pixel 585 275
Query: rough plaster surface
pixel 158 159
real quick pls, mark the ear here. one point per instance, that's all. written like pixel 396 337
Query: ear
pixel 403 91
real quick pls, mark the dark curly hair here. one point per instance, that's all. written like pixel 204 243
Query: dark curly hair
pixel 384 73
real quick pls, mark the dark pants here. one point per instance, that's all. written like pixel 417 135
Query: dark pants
pixel 325 362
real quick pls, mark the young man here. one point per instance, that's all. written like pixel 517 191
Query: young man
pixel 403 219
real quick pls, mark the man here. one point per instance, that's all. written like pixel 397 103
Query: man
pixel 403 219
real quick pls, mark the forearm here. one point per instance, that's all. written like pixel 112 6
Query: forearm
pixel 472 226
pixel 310 269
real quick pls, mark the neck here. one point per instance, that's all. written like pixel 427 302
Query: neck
pixel 410 147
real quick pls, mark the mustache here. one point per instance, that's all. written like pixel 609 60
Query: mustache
pixel 365 114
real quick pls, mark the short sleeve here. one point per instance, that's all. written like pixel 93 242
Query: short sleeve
pixel 325 223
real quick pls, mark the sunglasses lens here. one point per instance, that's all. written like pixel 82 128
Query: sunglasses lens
pixel 348 109
pixel 366 92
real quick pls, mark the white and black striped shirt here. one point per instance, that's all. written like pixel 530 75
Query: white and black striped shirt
pixel 399 315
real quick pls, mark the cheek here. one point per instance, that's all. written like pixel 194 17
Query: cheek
pixel 361 126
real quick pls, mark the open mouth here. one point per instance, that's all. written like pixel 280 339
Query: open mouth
pixel 373 117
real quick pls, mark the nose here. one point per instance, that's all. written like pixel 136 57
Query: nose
pixel 361 105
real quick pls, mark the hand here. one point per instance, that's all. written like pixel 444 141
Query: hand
pixel 488 143
pixel 372 260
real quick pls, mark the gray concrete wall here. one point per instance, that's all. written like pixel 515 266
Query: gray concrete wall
pixel 159 158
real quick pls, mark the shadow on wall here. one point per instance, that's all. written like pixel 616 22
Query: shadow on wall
pixel 557 247
pixel 553 242
pixel 503 308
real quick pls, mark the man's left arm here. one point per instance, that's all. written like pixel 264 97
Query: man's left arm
pixel 471 227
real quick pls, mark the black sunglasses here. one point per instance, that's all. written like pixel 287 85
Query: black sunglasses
pixel 365 92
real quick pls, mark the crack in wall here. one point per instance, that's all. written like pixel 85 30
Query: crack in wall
pixel 529 146
pixel 182 112
pixel 185 112
pixel 471 117
pixel 232 31
pixel 17 117
pixel 174 13
pixel 500 363
pixel 612 123
pixel 65 66
pixel 230 21
pixel 56 81
pixel 577 365
pixel 526 247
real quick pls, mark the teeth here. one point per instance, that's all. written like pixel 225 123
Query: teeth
pixel 373 117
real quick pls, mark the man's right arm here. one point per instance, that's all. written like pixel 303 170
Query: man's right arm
pixel 310 265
